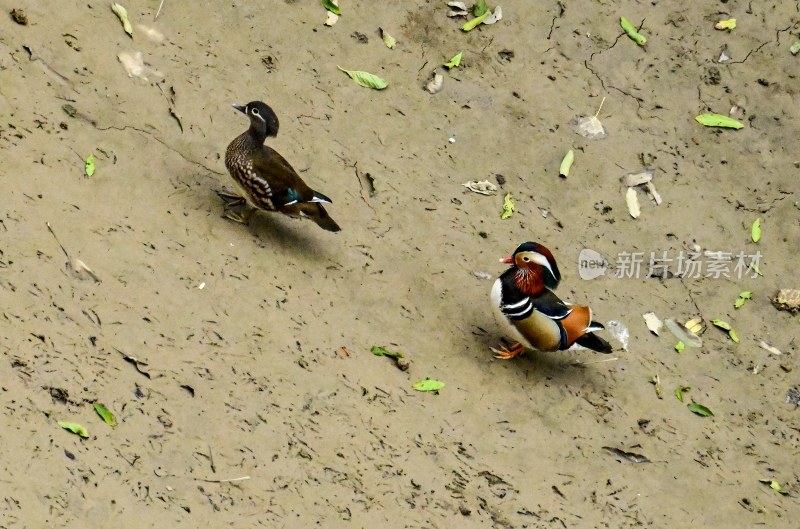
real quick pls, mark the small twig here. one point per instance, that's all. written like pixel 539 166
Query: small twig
pixel 59 242
pixel 579 363
pixel 211 459
pixel 601 108
pixel 159 9
pixel 222 480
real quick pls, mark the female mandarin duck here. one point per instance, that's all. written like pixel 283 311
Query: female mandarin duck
pixel 266 178
pixel 524 298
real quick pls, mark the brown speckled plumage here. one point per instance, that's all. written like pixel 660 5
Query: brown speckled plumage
pixel 268 181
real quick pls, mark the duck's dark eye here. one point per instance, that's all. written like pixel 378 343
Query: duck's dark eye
pixel 526 259
pixel 255 111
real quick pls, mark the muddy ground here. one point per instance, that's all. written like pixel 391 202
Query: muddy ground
pixel 218 346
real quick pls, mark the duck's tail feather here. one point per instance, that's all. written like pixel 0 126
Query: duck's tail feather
pixel 317 213
pixel 595 343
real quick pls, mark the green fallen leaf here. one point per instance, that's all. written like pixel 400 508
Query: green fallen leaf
pixel 388 39
pixel 455 61
pixel 699 409
pixel 795 48
pixel 105 414
pixel 756 269
pixel 722 324
pixel 366 79
pixel 729 24
pixel 566 164
pixel 630 29
pixel 74 428
pixel 475 22
pixel 680 346
pixel 330 6
pixel 382 351
pixel 428 385
pixel 755 230
pixel 774 485
pixel 479 8
pixel 508 207
pixel 743 296
pixel 680 391
pixel 718 120
pixel 122 15
pixel 89 166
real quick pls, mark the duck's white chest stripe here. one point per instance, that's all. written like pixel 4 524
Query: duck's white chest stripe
pixel 516 305
pixel 518 311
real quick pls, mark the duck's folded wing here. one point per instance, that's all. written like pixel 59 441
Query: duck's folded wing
pixel 547 303
pixel 551 306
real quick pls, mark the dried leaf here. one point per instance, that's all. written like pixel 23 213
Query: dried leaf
pixel 629 456
pixel 508 207
pixel 89 165
pixel 74 428
pixel 699 409
pixel 435 84
pixel 105 414
pixel 459 9
pixel 633 203
pixel 630 29
pixel 122 15
pixel 483 187
pixel 331 19
pixel 455 61
pixel 428 385
pixel 767 347
pixel 755 230
pixel 656 381
pixel 79 270
pixel 695 325
pixel 366 79
pixel 388 39
pixel 683 334
pixel 652 322
pixel 718 120
pixel 636 179
pixel 497 16
pixel 566 164
pixel 651 188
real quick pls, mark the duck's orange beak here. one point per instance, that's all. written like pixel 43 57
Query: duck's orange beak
pixel 507 260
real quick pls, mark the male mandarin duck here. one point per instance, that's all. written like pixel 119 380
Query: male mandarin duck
pixel 265 177
pixel 536 317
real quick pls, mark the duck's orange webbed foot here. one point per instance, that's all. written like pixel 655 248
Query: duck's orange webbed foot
pixel 504 353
